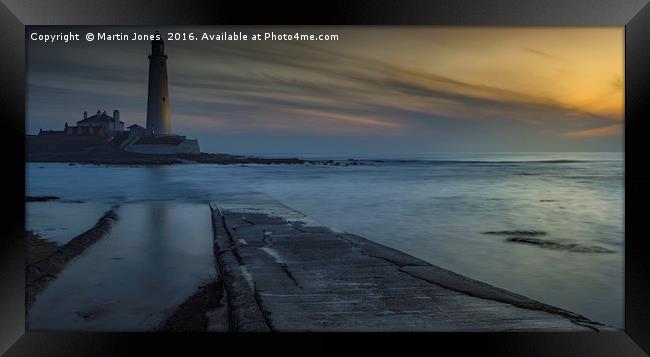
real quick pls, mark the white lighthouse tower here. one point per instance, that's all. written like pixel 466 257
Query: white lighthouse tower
pixel 158 117
pixel 157 137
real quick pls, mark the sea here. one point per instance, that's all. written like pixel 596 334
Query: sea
pixel 548 226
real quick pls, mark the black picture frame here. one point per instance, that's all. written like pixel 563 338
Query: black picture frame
pixel 633 14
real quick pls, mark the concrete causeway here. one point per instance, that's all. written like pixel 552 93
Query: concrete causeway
pixel 283 271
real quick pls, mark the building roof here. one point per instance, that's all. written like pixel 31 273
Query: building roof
pixel 135 126
pixel 97 118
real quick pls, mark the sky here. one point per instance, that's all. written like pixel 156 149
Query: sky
pixel 376 90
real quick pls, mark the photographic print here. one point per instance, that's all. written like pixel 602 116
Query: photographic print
pixel 415 178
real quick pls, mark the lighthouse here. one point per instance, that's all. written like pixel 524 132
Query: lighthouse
pixel 157 137
pixel 158 117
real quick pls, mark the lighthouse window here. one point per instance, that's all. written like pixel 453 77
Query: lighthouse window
pixel 162 64
pixel 163 99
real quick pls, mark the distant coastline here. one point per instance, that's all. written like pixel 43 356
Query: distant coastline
pixel 106 155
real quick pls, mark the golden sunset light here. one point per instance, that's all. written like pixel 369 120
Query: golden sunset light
pixel 516 88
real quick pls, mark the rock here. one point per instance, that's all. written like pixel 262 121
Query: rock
pixel 517 233
pixel 40 198
pixel 578 248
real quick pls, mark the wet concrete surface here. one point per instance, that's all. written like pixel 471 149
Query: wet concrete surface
pixel 285 272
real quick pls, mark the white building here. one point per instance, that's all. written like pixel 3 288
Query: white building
pixel 102 120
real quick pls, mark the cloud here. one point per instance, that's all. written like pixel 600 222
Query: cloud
pixel 300 76
pixel 539 53
pixel 355 119
pixel 301 88
pixel 605 131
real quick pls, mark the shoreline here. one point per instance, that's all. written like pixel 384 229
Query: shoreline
pixel 126 158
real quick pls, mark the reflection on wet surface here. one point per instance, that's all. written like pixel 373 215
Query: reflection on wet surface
pixel 156 255
pixel 60 221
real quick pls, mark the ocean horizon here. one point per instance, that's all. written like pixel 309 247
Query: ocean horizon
pixel 448 156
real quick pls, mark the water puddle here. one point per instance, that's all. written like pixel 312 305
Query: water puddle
pixel 60 221
pixel 156 256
